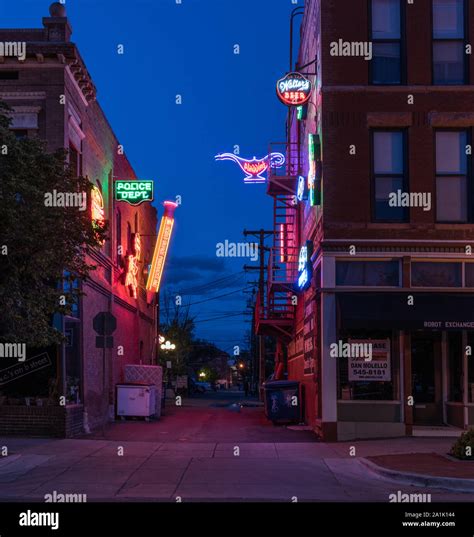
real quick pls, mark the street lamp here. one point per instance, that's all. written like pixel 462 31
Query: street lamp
pixel 168 346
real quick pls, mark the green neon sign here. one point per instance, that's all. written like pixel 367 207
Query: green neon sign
pixel 134 192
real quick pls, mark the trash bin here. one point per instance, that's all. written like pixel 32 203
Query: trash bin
pixel 283 401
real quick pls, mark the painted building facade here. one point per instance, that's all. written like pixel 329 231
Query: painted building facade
pixel 387 139
pixel 53 97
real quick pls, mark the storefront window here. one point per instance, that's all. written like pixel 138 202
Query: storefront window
pixel 368 273
pixel 455 361
pixel 470 368
pixel 382 364
pixel 426 274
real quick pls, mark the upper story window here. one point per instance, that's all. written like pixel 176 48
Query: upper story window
pixel 75 161
pixel 368 273
pixel 436 274
pixel 389 175
pixel 386 66
pixel 451 176
pixel 449 39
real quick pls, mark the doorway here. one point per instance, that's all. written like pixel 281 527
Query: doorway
pixel 426 378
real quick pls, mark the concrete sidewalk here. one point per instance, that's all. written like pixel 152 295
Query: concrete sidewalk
pixel 107 470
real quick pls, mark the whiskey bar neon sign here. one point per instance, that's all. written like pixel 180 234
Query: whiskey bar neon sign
pixel 161 248
pixel 253 168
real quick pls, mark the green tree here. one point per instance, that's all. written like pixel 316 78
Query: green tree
pixel 42 249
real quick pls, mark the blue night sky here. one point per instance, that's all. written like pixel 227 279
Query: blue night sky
pixel 227 100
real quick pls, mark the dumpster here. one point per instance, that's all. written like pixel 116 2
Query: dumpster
pixel 283 401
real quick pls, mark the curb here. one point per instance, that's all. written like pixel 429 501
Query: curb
pixel 455 484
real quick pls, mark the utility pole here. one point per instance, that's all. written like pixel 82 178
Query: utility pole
pixel 261 235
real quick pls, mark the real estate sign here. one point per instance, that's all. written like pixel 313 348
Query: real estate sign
pixel 377 368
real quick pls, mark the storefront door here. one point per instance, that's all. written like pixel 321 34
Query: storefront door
pixel 426 378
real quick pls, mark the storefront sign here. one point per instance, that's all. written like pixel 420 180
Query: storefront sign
pixel 134 192
pixel 131 278
pixel 378 368
pixel 161 247
pixel 253 168
pixel 294 89
pixel 304 266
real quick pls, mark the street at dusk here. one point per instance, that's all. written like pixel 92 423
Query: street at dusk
pixel 236 268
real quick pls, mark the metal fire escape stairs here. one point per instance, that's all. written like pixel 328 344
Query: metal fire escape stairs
pixel 278 313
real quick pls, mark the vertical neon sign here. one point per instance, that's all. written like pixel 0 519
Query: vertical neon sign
pixel 314 171
pixel 131 279
pixel 97 209
pixel 161 248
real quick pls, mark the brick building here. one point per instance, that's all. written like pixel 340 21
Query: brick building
pixel 384 226
pixel 53 97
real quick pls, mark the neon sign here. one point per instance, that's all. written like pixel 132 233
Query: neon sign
pixel 304 266
pixel 294 89
pixel 97 209
pixel 301 193
pixel 161 248
pixel 314 160
pixel 131 276
pixel 134 192
pixel 253 168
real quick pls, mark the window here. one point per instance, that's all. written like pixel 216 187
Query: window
pixel 368 390
pixel 469 274
pixel 455 372
pixel 449 58
pixel 451 176
pixel 9 75
pixel 20 133
pixel 386 37
pixel 388 175
pixel 368 273
pixel 75 161
pixel 129 239
pixel 432 274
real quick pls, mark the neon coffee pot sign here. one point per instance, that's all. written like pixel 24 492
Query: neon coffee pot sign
pixel 294 89
pixel 253 168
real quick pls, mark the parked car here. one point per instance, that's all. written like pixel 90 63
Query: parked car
pixel 196 386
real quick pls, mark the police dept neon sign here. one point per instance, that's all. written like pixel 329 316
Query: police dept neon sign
pixel 254 168
pixel 304 266
pixel 294 89
pixel 134 192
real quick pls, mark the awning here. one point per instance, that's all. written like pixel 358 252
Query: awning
pixel 430 311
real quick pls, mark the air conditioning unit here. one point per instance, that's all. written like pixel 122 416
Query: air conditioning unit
pixel 136 400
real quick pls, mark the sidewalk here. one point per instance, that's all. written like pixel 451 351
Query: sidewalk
pixel 426 469
pixel 107 470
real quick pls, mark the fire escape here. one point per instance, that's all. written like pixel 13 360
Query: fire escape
pixel 275 311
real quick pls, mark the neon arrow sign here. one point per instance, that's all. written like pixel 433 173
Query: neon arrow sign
pixel 161 249
pixel 253 168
